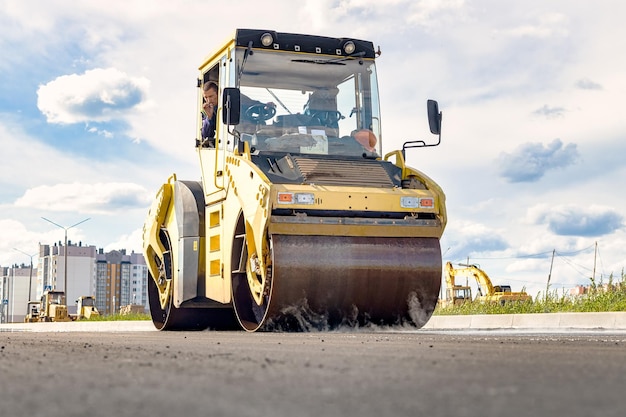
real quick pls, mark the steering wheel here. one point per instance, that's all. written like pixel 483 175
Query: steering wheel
pixel 260 112
pixel 328 118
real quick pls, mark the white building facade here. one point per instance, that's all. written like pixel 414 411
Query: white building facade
pixel 14 287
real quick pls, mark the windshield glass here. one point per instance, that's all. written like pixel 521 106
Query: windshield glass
pixel 87 302
pixel 303 103
pixel 56 298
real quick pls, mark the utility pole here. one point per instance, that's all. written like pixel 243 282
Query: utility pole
pixel 65 289
pixel 595 256
pixel 13 294
pixel 550 274
pixel 30 278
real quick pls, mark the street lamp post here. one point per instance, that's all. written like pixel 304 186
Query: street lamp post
pixel 65 260
pixel 13 295
pixel 30 277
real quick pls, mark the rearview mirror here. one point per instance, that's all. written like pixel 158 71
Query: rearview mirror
pixel 434 117
pixel 230 106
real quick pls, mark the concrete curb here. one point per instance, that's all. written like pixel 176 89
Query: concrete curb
pixel 81 326
pixel 547 321
pixel 601 320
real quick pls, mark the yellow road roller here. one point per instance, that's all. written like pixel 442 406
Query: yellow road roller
pixel 299 220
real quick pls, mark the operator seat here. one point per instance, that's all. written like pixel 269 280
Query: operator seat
pixel 322 106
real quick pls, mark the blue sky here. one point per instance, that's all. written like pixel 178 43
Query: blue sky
pixel 97 109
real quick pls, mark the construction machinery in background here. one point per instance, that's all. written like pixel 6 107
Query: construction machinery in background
pixel 32 312
pixel 86 308
pixel 299 219
pixel 53 307
pixel 132 309
pixel 487 292
pixel 456 294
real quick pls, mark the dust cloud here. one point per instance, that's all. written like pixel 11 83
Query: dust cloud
pixel 300 317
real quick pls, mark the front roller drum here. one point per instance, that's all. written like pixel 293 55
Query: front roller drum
pixel 346 280
pixel 169 317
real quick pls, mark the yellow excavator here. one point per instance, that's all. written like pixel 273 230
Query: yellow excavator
pixel 456 294
pixel 299 220
pixel 487 292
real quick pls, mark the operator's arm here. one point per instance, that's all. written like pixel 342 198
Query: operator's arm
pixel 208 124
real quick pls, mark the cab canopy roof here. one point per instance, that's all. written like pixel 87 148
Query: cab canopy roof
pixel 269 39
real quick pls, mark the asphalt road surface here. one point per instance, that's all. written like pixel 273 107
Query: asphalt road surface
pixel 312 374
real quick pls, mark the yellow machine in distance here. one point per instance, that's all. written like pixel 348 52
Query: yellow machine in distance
pixel 53 307
pixel 456 294
pixel 86 307
pixel 32 312
pixel 487 292
pixel 297 206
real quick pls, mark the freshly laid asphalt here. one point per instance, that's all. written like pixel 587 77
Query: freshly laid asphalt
pixel 130 369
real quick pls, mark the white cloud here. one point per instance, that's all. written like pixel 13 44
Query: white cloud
pixel 130 242
pixel 102 198
pixel 101 132
pixel 545 26
pixel 550 112
pixel 577 220
pixel 463 239
pixel 20 237
pixel 98 95
pixel 530 161
pixel 431 13
pixel 587 84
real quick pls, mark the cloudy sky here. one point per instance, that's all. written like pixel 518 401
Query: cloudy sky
pixel 97 109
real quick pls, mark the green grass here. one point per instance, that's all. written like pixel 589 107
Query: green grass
pixel 119 317
pixel 613 298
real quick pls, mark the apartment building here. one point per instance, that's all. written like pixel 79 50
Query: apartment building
pixel 121 279
pixel 115 278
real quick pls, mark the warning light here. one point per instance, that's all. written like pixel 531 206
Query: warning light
pixel 285 198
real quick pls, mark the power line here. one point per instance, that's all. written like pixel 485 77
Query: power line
pixel 536 255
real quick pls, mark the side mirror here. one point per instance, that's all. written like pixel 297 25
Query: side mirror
pixel 434 120
pixel 434 117
pixel 231 111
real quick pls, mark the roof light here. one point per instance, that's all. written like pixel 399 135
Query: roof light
pixel 349 47
pixel 267 39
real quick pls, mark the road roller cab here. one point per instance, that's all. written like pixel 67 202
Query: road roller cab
pixel 298 207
